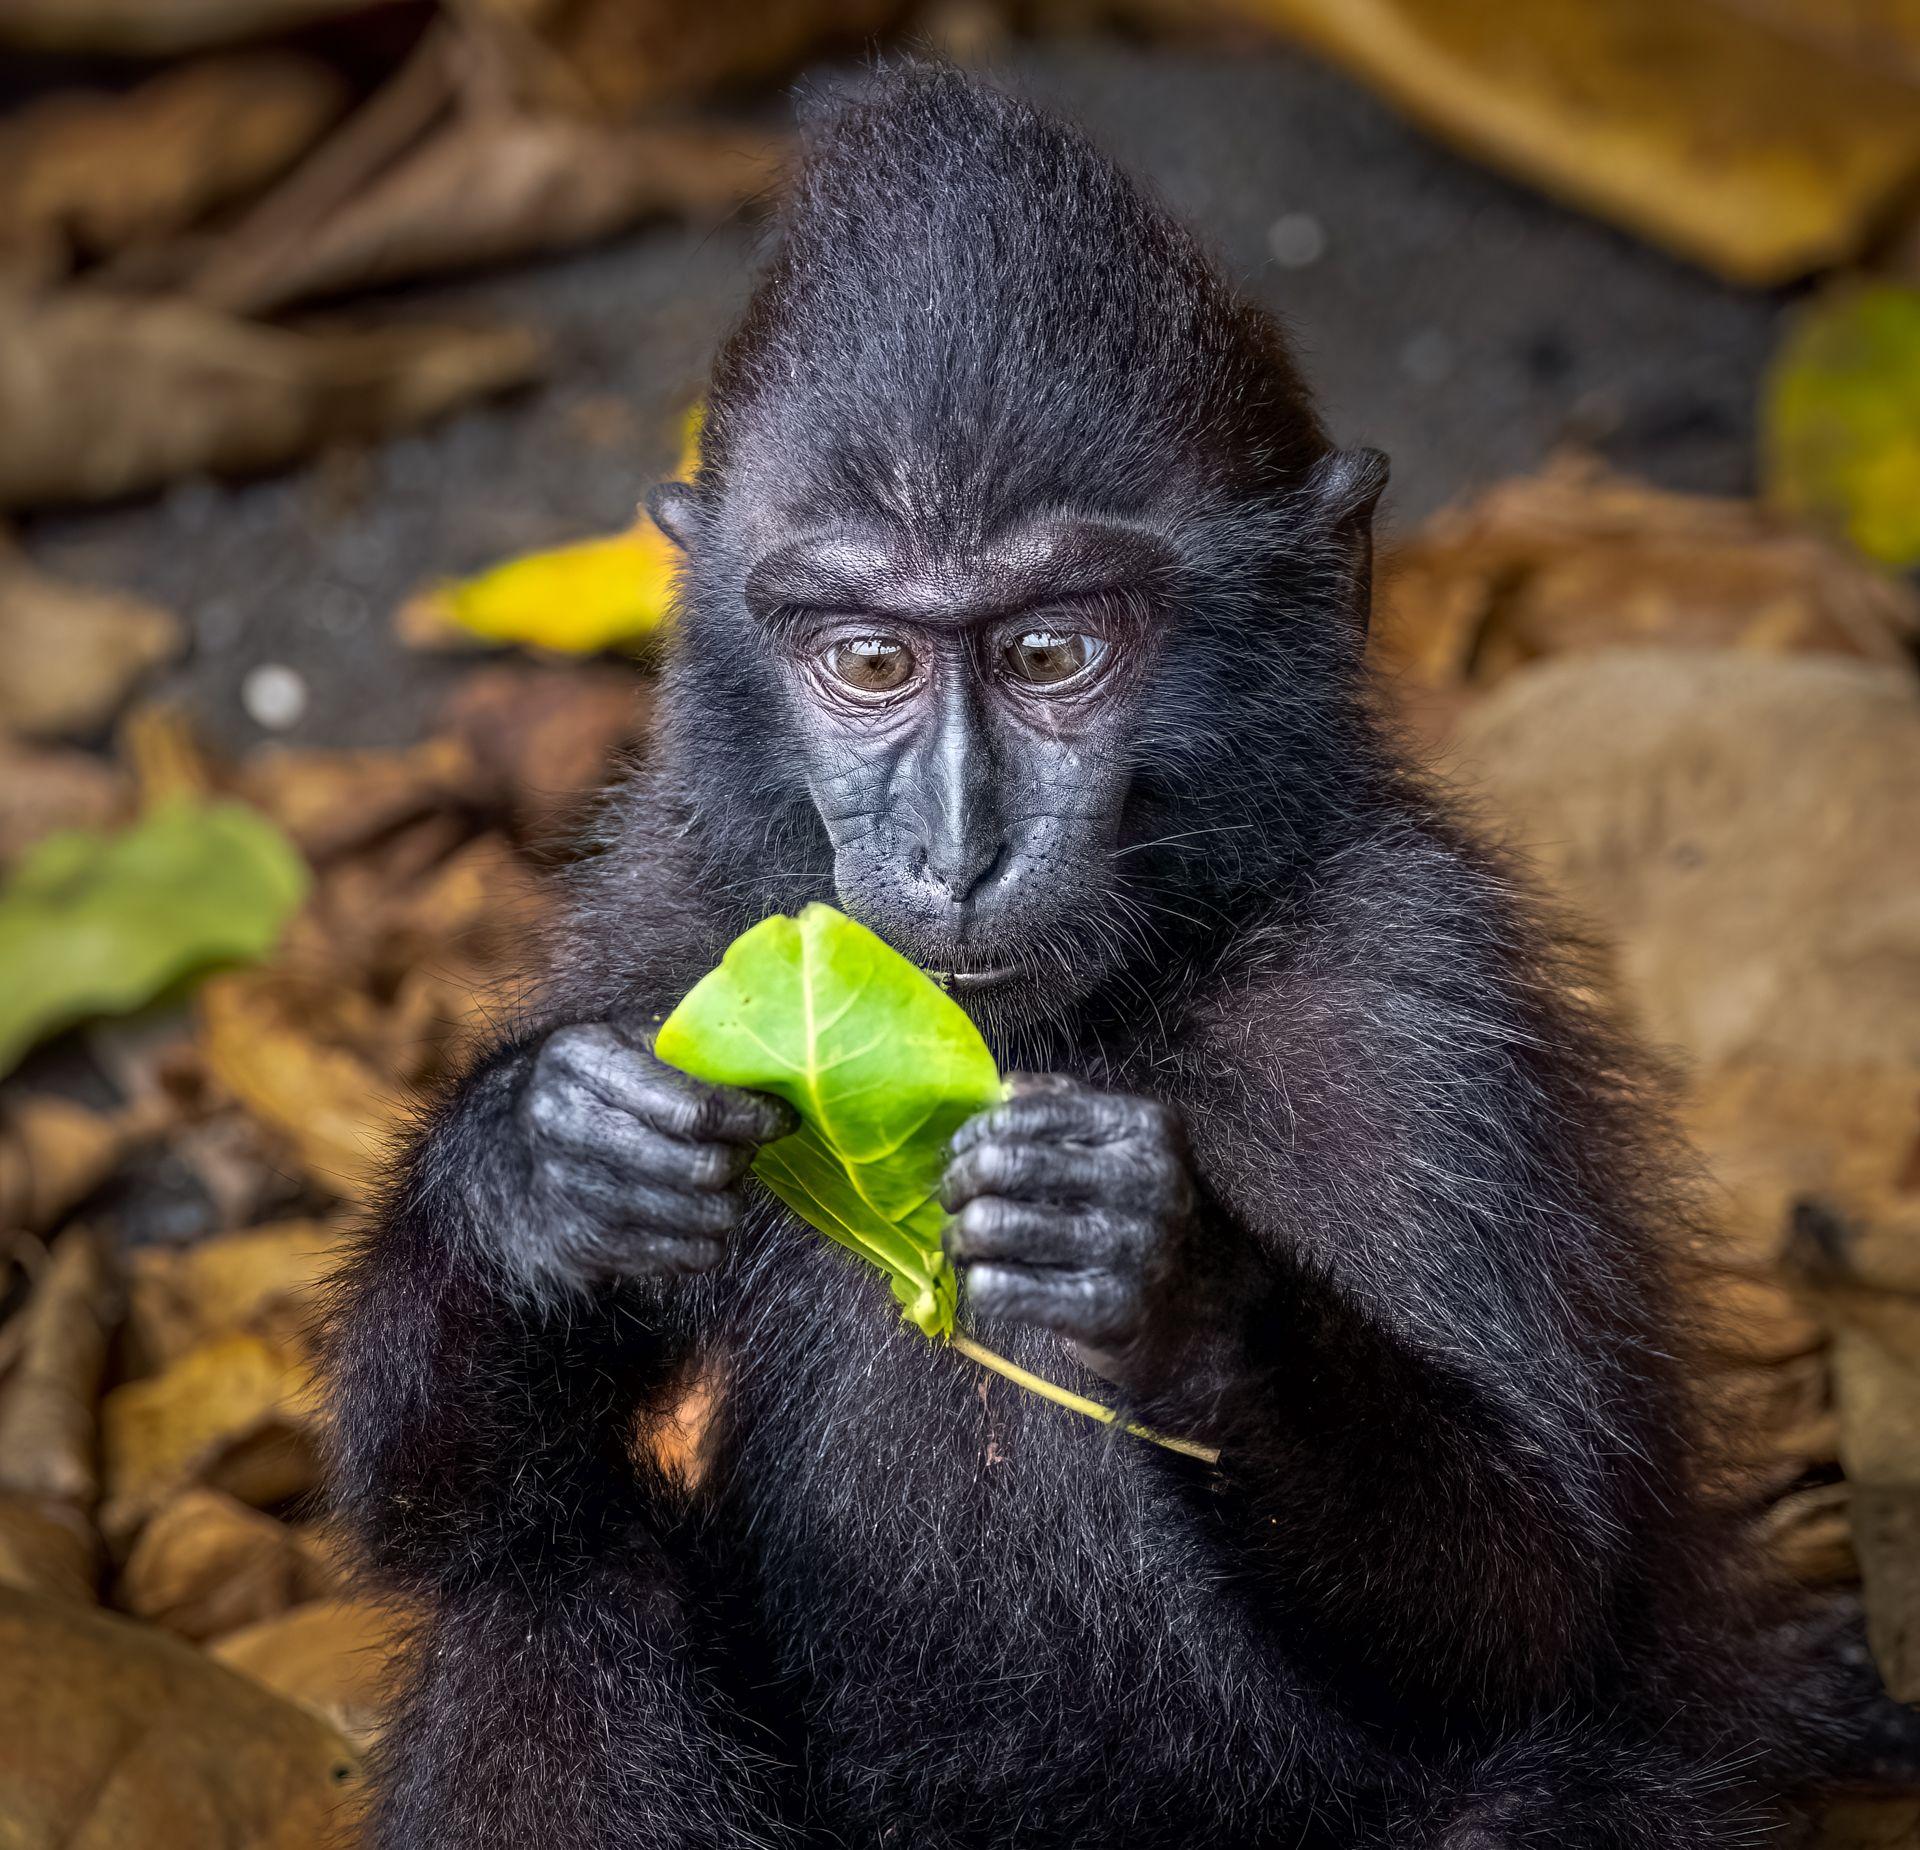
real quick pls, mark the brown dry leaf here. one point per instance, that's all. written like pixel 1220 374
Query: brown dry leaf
pixel 99 172
pixel 113 1735
pixel 334 1657
pixel 47 1403
pixel 44 788
pixel 1868 1824
pixel 236 1414
pixel 1810 1534
pixel 489 188
pixel 1876 35
pixel 104 396
pixel 1742 148
pixel 627 54
pixel 54 1153
pixel 264 1282
pixel 1758 1322
pixel 1578 558
pixel 141 29
pixel 1776 1130
pixel 332 802
pixel 1741 826
pixel 1886 1537
pixel 289 1052
pixel 1858 1263
pixel 207 1564
pixel 70 654
pixel 540 738
pixel 48 1546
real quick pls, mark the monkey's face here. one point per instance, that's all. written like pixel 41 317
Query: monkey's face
pixel 965 720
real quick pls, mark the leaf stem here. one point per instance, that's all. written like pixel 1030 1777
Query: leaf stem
pixel 1077 1403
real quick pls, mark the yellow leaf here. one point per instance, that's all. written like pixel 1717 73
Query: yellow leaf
pixel 1841 440
pixel 1738 145
pixel 595 594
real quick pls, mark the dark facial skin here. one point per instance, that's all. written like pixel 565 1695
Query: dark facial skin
pixel 967 720
pixel 967 724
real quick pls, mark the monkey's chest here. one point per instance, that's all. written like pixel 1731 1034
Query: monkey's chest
pixel 981 1609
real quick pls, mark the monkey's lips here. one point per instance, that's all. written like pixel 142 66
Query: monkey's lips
pixel 973 982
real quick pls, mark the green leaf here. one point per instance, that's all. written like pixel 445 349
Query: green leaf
pixel 98 924
pixel 1841 424
pixel 882 1066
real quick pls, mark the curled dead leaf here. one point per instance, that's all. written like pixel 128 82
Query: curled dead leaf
pixel 1743 148
pixel 1740 826
pixel 539 738
pixel 71 654
pixel 54 1153
pixel 1577 559
pixel 138 28
pixel 47 788
pixel 332 802
pixel 104 396
pixel 335 1657
pixel 236 1414
pixel 47 1403
pixel 99 172
pixel 113 1734
pixel 287 1052
pixel 487 189
pixel 264 1282
pixel 207 1564
pixel 47 1546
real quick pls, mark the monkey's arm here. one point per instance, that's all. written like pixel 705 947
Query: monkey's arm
pixel 1383 1270
pixel 492 1348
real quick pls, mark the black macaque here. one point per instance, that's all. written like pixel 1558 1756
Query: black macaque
pixel 1024 608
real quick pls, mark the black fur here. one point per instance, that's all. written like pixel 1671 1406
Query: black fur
pixel 1455 1583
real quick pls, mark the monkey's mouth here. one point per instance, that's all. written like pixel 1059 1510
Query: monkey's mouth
pixel 972 982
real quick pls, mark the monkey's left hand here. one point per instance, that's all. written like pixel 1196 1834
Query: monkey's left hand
pixel 1076 1210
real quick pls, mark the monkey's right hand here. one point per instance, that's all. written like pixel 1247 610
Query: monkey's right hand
pixel 634 1168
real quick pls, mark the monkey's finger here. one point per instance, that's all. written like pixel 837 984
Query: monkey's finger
pixel 578 1124
pixel 594 1192
pixel 1142 1176
pixel 990 1228
pixel 1093 1307
pixel 631 1079
pixel 1069 1113
pixel 607 1257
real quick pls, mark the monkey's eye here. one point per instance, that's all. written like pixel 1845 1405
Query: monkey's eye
pixel 871 664
pixel 1045 658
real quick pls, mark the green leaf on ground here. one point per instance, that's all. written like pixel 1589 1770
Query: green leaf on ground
pixel 101 923
pixel 882 1066
pixel 1842 420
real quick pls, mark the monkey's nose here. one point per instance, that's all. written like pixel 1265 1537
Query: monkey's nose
pixel 961 867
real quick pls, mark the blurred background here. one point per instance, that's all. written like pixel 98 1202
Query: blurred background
pixel 338 341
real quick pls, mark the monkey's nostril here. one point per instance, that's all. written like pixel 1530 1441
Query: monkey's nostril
pixel 962 869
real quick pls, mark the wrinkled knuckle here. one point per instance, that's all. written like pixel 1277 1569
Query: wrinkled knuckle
pixel 708 1166
pixel 545 1108
pixel 1161 1176
pixel 714 1214
pixel 573 1048
pixel 1001 1164
pixel 670 1107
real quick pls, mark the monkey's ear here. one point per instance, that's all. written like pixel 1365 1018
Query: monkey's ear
pixel 1344 487
pixel 675 508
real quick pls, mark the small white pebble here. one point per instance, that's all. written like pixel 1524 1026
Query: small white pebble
pixel 274 696
pixel 1297 240
pixel 1427 358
